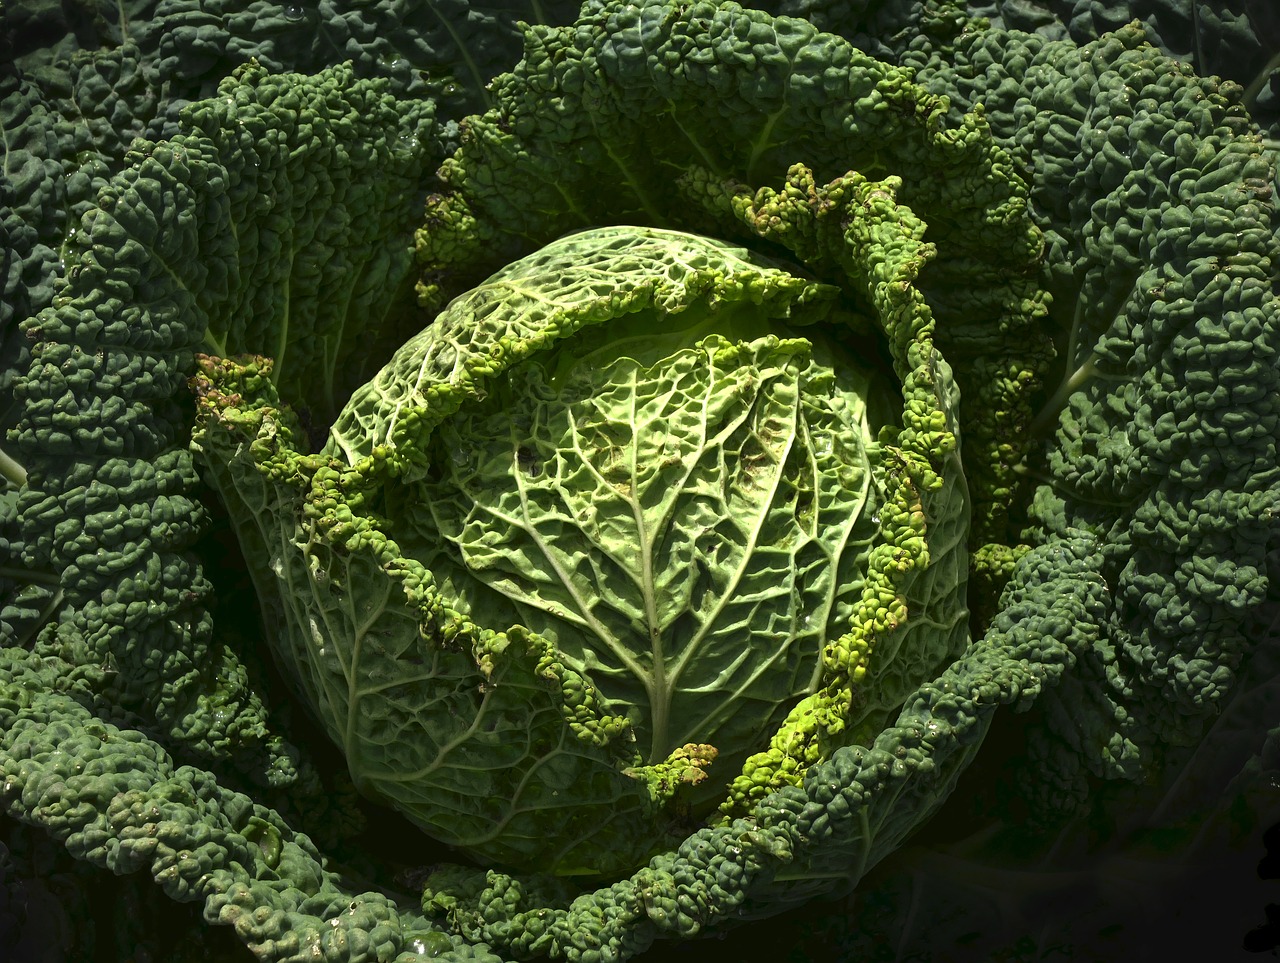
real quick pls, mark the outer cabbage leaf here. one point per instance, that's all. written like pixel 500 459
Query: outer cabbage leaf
pixel 192 238
pixel 80 81
pixel 1157 198
pixel 1236 41
pixel 118 700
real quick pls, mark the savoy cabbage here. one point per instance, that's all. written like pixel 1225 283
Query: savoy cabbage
pixel 727 452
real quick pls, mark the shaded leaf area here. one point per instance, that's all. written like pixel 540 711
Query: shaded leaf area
pixel 1238 40
pixel 56 908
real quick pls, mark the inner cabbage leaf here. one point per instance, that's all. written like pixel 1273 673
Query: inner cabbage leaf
pixel 688 532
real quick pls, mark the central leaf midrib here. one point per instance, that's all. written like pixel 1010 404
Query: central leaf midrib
pixel 656 685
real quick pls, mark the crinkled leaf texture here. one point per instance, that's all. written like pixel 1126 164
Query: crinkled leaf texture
pixel 1155 497
pixel 583 545
pixel 128 723
pixel 1155 199
pixel 1158 199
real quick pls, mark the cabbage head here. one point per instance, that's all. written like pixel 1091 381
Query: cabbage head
pixel 634 531
pixel 666 486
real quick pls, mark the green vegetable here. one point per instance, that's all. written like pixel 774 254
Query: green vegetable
pixel 589 539
pixel 1017 297
pixel 82 80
